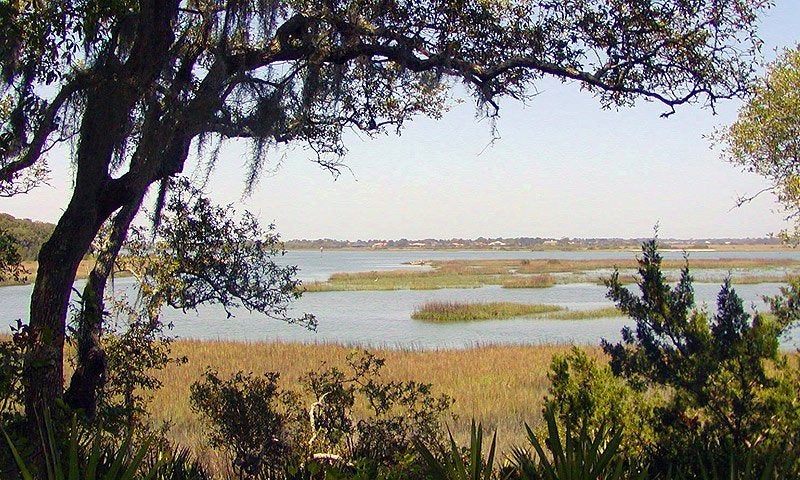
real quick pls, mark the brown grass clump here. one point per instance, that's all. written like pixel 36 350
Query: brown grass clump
pixel 584 314
pixel 529 281
pixel 32 267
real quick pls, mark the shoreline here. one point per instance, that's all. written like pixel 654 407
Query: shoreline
pixel 32 266
pixel 711 248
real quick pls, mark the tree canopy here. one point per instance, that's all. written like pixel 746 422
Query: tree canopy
pixel 30 234
pixel 765 139
pixel 134 86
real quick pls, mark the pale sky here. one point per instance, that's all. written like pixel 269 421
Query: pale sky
pixel 562 168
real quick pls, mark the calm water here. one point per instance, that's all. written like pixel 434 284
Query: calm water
pixel 383 318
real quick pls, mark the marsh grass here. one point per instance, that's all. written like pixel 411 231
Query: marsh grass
pixel 396 280
pixel 529 281
pixel 606 312
pixel 501 386
pixel 443 312
pixel 754 279
pixel 737 279
pixel 624 279
pixel 533 266
pixel 531 273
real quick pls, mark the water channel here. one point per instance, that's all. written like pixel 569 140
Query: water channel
pixel 383 318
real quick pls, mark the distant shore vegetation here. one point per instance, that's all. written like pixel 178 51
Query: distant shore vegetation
pixel 533 243
pixel 519 273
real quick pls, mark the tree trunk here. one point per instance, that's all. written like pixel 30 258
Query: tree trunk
pixel 43 374
pixel 115 91
pixel 90 370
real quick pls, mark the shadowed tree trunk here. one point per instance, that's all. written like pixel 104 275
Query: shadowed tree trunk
pixel 58 262
pixel 115 90
pixel 89 375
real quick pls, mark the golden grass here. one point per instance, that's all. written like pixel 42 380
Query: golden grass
pixel 502 386
pixel 393 280
pixel 624 279
pixel 753 279
pixel 534 266
pixel 443 312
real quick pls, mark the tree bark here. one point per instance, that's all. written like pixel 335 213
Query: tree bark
pixel 116 89
pixel 90 370
pixel 43 373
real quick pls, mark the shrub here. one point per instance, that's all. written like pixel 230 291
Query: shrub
pixel 397 412
pixel 137 347
pixel 269 431
pixel 728 393
pixel 245 419
pixel 584 393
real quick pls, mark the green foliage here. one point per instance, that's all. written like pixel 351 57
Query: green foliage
pixel 12 353
pixel 398 412
pixel 75 456
pixel 268 430
pixel 179 464
pixel 765 139
pixel 590 453
pixel 10 258
pixel 460 464
pixel 245 419
pixel 202 255
pixel 585 393
pixel 728 392
pixel 137 348
pixel 28 235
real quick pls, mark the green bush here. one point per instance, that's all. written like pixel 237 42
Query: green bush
pixel 585 393
pixel 724 397
pixel 577 451
pixel 245 419
pixel 136 349
pixel 271 432
pixel 79 454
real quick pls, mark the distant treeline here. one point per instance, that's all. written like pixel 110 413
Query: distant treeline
pixel 533 243
pixel 32 234
pixel 29 234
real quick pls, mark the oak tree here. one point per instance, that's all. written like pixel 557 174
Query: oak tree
pixel 765 139
pixel 133 85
